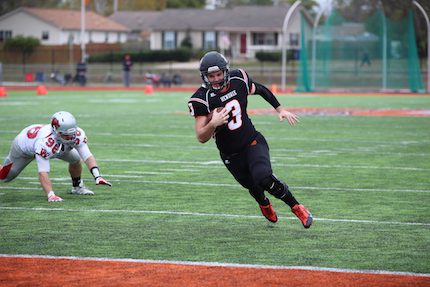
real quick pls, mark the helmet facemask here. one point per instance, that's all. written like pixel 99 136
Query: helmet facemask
pixel 218 85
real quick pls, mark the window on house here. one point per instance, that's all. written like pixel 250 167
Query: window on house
pixel 4 35
pixel 45 35
pixel 261 39
pixel 209 40
pixel 106 37
pixel 169 40
pixel 294 39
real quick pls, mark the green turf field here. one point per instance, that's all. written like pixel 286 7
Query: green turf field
pixel 366 180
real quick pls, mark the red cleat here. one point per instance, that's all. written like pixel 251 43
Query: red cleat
pixel 303 214
pixel 269 212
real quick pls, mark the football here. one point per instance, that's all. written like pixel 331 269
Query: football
pixel 219 109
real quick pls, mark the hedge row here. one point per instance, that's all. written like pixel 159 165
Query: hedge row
pixel 178 55
pixel 275 56
pixel 147 56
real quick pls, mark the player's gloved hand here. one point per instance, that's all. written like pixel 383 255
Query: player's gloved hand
pixel 101 181
pixel 53 198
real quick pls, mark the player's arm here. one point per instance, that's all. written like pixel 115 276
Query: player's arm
pixel 205 125
pixel 267 95
pixel 205 122
pixel 45 182
pixel 94 169
pixel 43 167
pixel 90 160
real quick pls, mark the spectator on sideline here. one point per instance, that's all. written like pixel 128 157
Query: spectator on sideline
pixel 126 67
pixel 81 73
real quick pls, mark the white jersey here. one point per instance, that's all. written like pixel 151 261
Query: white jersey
pixel 39 141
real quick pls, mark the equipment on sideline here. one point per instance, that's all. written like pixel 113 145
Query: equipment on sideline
pixel 360 52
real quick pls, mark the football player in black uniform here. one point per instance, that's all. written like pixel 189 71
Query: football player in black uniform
pixel 219 108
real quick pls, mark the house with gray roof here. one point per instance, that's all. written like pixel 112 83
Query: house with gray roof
pixel 239 32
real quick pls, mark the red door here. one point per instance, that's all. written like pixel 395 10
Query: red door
pixel 243 43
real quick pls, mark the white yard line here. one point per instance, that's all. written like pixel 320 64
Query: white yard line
pixel 219 163
pixel 194 183
pixel 219 264
pixel 185 213
pixel 286 139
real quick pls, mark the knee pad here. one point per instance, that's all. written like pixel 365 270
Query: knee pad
pixel 274 186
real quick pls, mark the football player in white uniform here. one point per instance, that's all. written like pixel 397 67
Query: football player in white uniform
pixel 61 139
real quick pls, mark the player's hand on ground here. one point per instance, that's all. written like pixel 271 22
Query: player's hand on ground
pixel 220 117
pixel 101 181
pixel 54 198
pixel 292 118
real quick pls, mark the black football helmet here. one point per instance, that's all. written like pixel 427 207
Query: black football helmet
pixel 214 62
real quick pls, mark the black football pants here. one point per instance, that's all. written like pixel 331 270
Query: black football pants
pixel 251 166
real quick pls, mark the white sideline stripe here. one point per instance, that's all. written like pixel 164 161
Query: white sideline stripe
pixel 219 184
pixel 220 264
pixel 218 162
pixel 205 214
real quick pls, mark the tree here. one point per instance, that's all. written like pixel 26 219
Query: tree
pixel 185 3
pixel 26 45
pixel 309 5
pixel 9 5
pixel 422 36
pixel 393 9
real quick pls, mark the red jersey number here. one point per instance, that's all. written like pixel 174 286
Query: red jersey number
pixel 43 153
pixel 50 142
pixel 32 133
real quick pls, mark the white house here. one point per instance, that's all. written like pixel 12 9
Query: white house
pixel 59 26
pixel 240 31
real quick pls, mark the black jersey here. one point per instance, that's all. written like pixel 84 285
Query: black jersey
pixel 239 131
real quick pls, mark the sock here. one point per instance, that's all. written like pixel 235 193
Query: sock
pixel 289 199
pixel 76 181
pixel 264 202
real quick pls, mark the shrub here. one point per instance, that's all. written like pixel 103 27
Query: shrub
pixel 148 56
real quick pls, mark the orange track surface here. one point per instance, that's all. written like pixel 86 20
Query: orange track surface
pixel 68 272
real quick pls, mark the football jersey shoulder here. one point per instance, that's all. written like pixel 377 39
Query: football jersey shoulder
pixel 199 102
pixel 81 137
pixel 241 76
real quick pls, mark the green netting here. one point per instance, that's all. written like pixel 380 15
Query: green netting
pixel 377 53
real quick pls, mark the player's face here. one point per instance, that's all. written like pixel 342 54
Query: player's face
pixel 216 79
pixel 67 137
